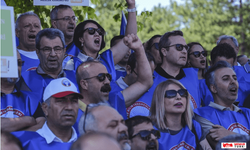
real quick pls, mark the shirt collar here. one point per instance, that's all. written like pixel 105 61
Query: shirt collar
pixel 40 71
pixel 84 57
pixel 121 83
pixel 163 73
pixel 49 136
pixel 222 108
pixel 119 68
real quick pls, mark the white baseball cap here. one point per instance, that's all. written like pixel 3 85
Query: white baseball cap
pixel 59 88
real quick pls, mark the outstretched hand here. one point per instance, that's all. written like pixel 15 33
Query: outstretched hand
pixel 132 41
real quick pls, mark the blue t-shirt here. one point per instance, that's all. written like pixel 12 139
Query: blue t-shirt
pixel 29 63
pixel 184 140
pixel 72 50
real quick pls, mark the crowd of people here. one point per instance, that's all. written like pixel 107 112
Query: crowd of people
pixel 157 95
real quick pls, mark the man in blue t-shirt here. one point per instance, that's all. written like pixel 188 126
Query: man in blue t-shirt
pixel 222 117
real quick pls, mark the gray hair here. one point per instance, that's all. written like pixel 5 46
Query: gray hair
pixel 29 13
pixel 224 37
pixel 50 33
pixel 210 74
pixel 90 122
pixel 234 138
pixel 54 11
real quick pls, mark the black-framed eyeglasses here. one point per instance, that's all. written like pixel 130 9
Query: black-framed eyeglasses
pixel 198 54
pixel 156 45
pixel 48 50
pixel 68 18
pixel 146 135
pixel 135 72
pixel 92 31
pixel 101 77
pixel 179 47
pixel 173 93
pixel 20 63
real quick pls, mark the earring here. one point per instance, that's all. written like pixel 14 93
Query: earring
pixel 82 44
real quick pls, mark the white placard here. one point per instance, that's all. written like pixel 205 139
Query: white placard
pixel 8 43
pixel 59 2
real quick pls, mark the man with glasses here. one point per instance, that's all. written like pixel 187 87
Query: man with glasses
pixel 173 51
pixel 50 48
pixel 103 118
pixel 27 26
pixel 19 109
pixel 142 134
pixel 60 106
pixel 63 18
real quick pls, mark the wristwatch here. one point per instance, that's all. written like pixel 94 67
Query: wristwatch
pixel 131 10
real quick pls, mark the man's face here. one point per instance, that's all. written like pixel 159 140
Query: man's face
pixel 155 52
pixel 62 112
pixel 231 43
pixel 219 58
pixel 172 55
pixel 97 90
pixel 226 85
pixel 137 143
pixel 51 62
pixel 67 27
pixel 28 28
pixel 111 122
pixel 91 43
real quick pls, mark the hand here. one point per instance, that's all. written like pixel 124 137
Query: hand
pixel 133 42
pixel 131 4
pixel 218 132
pixel 30 120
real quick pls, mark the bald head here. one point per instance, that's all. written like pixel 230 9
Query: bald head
pixel 96 141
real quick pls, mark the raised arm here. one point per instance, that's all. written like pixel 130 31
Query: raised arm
pixel 145 78
pixel 120 49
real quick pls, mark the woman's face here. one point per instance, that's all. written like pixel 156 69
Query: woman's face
pixel 155 52
pixel 196 59
pixel 176 104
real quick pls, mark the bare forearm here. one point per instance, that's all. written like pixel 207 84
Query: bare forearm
pixel 40 121
pixel 15 124
pixel 131 23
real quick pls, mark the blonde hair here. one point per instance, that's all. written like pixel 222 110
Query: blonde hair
pixel 157 110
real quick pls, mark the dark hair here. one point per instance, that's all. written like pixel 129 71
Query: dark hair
pixel 240 56
pixel 79 33
pixel 114 39
pixel 210 77
pixel 132 60
pixel 223 50
pixel 136 120
pixel 164 41
pixel 50 33
pixel 150 42
pixel 54 11
pixel 9 138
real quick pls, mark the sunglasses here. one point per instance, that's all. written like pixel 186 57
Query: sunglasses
pixel 156 45
pixel 92 31
pixel 146 135
pixel 179 47
pixel 198 54
pixel 173 93
pixel 101 77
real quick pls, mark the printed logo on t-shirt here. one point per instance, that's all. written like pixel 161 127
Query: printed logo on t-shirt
pixel 182 146
pixel 238 128
pixel 10 112
pixel 193 102
pixel 138 108
pixel 31 68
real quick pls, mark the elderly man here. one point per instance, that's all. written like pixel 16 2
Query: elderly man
pixel 96 141
pixel 19 108
pixel 27 26
pixel 93 84
pixel 60 106
pixel 50 48
pixel 142 134
pixel 232 41
pixel 173 51
pixel 222 117
pixel 63 18
pixel 103 118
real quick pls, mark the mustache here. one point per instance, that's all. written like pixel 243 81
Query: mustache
pixel 151 144
pixel 68 113
pixel 122 136
pixel 106 88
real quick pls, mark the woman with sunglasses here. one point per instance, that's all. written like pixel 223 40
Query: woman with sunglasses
pixel 197 58
pixel 89 38
pixel 172 114
pixel 152 46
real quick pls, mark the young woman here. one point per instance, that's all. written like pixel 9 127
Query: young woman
pixel 172 114
pixel 197 58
